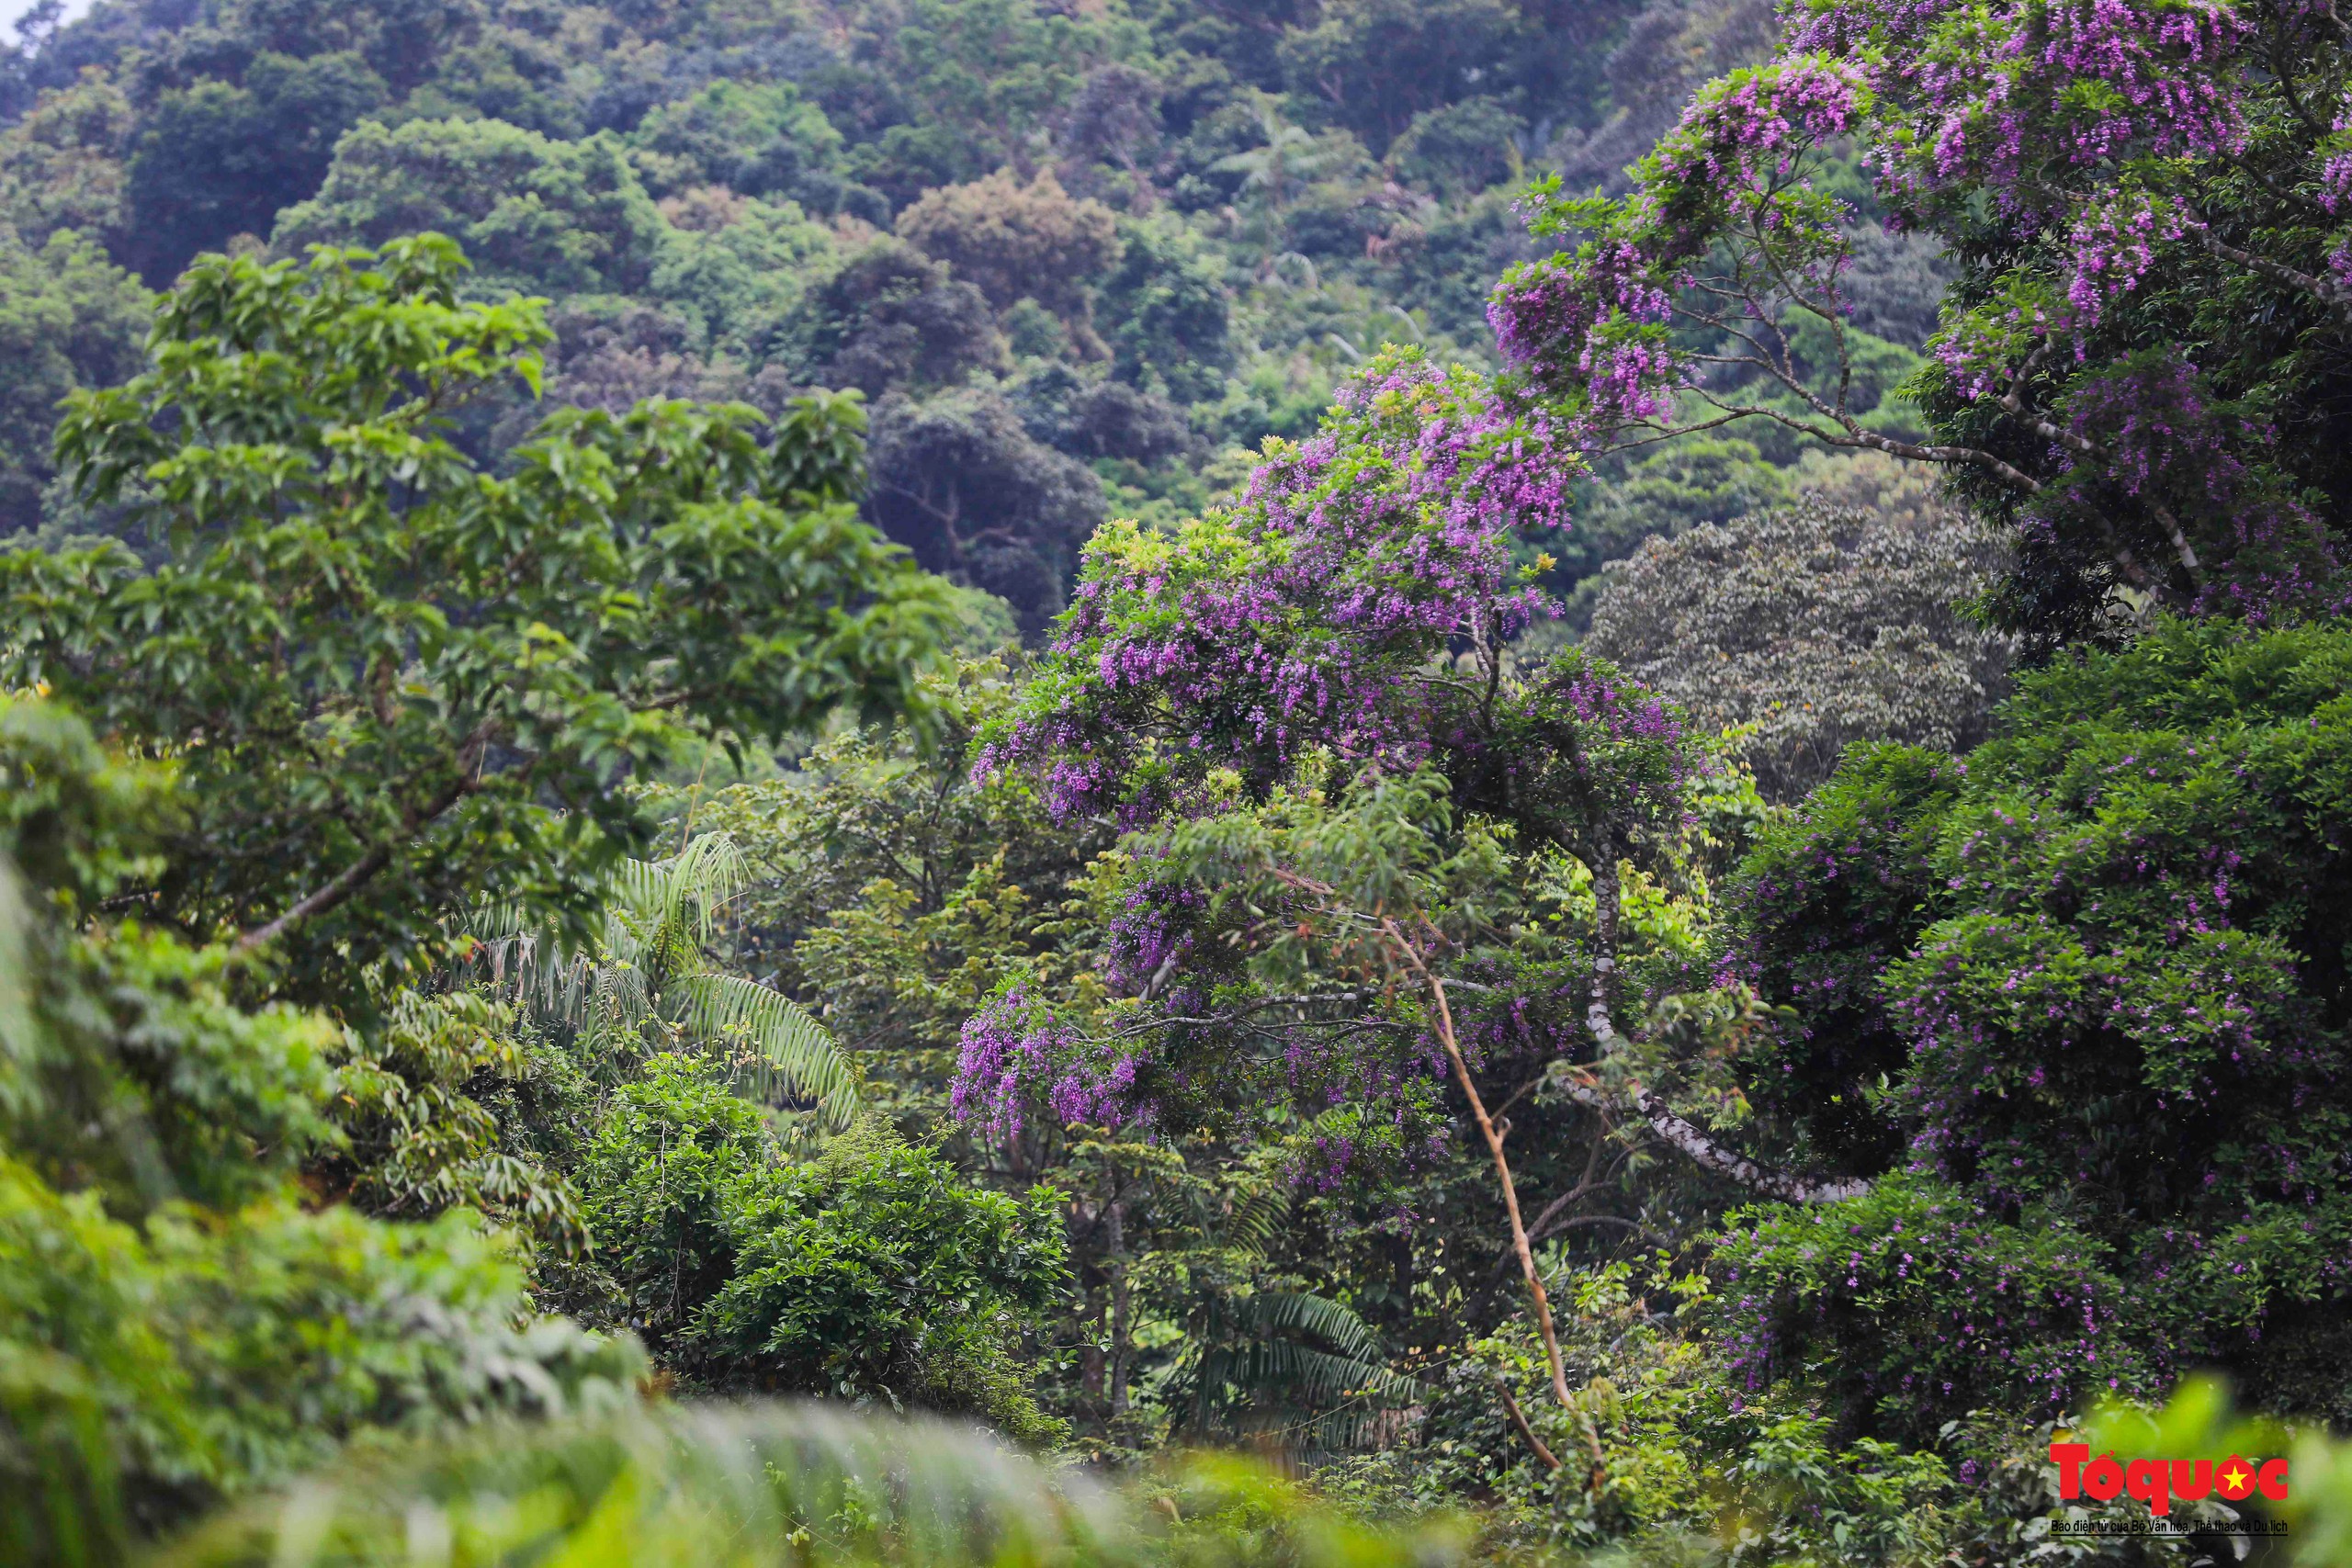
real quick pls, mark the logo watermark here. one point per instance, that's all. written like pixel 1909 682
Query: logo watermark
pixel 2158 1482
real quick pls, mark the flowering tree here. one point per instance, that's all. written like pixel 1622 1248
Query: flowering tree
pixel 2152 203
pixel 1370 850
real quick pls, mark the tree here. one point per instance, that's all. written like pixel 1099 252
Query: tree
pixel 1689 482
pixel 1115 119
pixel 1017 241
pixel 2081 998
pixel 69 318
pixel 215 162
pixel 739 278
pixel 2131 367
pixel 61 165
pixel 961 484
pixel 1283 157
pixel 178 1320
pixel 1817 627
pixel 887 317
pixel 400 40
pixel 945 90
pixel 1341 830
pixel 398 662
pixel 1168 315
pixel 1462 149
pixel 762 139
pixel 558 216
pixel 873 1272
pixel 1376 63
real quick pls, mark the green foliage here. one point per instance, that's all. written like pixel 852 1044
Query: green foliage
pixel 1687 483
pixel 1304 1367
pixel 1812 626
pixel 763 140
pixel 2092 979
pixel 887 317
pixel 204 1352
pixel 1015 241
pixel 175 1324
pixel 738 283
pixel 62 166
pixel 645 981
pixel 895 893
pixel 128 1070
pixel 436 1107
pixel 1881 1304
pixel 401 671
pixel 397 660
pixel 536 213
pixel 874 1273
pixel 216 161
pixel 1167 315
pixel 68 319
pixel 1665 1456
pixel 1461 149
pixel 790 1484
pixel 1381 63
pixel 964 484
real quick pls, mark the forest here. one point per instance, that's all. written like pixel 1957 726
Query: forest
pixel 1202 784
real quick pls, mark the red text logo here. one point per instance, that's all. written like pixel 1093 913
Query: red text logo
pixel 2156 1482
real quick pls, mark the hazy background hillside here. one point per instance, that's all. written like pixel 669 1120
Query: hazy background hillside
pixel 1080 258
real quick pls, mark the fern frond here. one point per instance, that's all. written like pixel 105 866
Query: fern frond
pixel 1289 1360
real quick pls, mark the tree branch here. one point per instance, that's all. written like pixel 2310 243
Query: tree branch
pixel 2331 295
pixel 1518 1419
pixel 352 877
pixel 1709 1154
pixel 1534 1276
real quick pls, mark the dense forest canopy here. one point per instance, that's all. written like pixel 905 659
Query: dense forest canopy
pixel 1586 764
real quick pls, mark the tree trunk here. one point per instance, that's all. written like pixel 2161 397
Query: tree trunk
pixel 1122 1318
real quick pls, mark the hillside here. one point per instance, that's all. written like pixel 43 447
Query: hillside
pixel 1079 260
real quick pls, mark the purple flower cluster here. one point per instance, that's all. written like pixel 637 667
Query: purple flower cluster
pixel 1596 322
pixel 2113 246
pixel 2105 148
pixel 1017 1056
pixel 1150 935
pixel 1304 614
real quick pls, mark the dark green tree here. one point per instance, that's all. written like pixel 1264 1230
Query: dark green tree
pixel 888 317
pixel 2078 1005
pixel 960 482
pixel 69 318
pixel 217 161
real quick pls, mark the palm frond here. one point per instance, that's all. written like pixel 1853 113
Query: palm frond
pixel 1289 1360
pixel 1259 1215
pixel 1290 1376
pixel 673 905
pixel 1314 1317
pixel 775 1048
